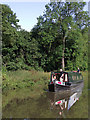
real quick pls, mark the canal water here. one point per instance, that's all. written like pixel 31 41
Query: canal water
pixel 63 104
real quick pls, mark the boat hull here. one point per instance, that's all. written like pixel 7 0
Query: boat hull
pixel 56 87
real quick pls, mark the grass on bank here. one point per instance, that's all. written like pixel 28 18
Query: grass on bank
pixel 22 79
pixel 22 84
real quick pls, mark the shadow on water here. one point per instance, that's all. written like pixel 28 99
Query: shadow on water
pixel 48 105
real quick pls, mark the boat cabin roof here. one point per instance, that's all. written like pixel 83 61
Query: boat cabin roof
pixel 71 75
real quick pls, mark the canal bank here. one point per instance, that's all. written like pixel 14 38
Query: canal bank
pixel 25 103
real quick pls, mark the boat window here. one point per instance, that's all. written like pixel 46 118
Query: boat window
pixel 77 77
pixel 58 76
pixel 66 78
pixel 53 76
pixel 74 77
pixel 62 77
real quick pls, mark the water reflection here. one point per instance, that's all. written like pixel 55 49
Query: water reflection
pixel 64 101
pixel 48 105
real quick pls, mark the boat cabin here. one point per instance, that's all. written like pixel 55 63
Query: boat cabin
pixel 61 77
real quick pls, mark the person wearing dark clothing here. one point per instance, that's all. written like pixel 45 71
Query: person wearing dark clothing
pixel 78 70
pixel 54 78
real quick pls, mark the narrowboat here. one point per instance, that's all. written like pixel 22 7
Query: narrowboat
pixel 64 81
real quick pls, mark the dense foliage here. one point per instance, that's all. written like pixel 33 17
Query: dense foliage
pixel 60 39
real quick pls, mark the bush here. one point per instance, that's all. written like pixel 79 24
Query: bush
pixel 12 66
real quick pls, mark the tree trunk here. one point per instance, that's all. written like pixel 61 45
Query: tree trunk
pixel 63 62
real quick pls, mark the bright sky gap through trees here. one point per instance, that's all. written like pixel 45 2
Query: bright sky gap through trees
pixel 27 12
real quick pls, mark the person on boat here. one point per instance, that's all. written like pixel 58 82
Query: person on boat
pixel 78 70
pixel 61 70
pixel 61 79
pixel 61 74
pixel 54 78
